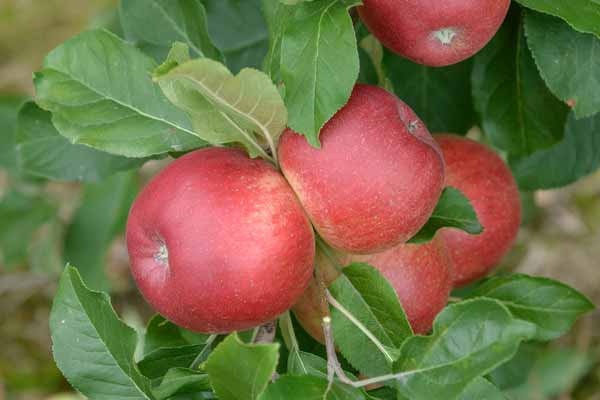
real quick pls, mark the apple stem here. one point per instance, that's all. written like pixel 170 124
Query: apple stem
pixel 203 355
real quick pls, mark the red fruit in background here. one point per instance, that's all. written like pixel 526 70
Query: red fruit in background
pixel 218 242
pixel 376 178
pixel 433 32
pixel 420 274
pixel 488 183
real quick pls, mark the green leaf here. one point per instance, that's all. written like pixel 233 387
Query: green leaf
pixel 582 15
pixel 551 306
pixel 99 219
pixel 554 372
pixel 9 107
pixel 576 156
pixel 92 347
pixel 308 388
pixel 161 333
pixel 246 108
pixel 516 371
pixel 482 389
pixel 156 364
pixel 568 61
pixel 181 381
pixel 301 363
pixel 162 22
pixel 107 100
pixel 254 366
pixel 518 112
pixel 276 15
pixel 441 97
pixel 239 30
pixel 21 215
pixel 43 152
pixel 453 210
pixel 319 34
pixel 469 339
pixel 370 298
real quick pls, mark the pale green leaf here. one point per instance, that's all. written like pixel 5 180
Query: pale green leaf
pixel 246 108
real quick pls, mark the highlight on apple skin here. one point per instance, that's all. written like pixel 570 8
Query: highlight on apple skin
pixel 420 274
pixel 431 32
pixel 218 242
pixel 488 183
pixel 376 178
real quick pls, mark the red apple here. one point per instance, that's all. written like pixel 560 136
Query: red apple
pixel 420 274
pixel 219 242
pixel 433 32
pixel 488 183
pixel 376 178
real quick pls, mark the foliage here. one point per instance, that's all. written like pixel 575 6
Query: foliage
pixel 189 74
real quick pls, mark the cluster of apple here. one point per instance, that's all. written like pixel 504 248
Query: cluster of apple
pixel 220 242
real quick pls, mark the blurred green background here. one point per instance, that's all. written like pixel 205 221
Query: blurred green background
pixel 42 224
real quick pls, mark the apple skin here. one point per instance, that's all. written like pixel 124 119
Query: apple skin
pixel 432 32
pixel 376 178
pixel 240 247
pixel 488 183
pixel 420 274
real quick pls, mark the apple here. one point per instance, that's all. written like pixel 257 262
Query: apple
pixel 487 182
pixel 434 33
pixel 376 178
pixel 420 274
pixel 218 242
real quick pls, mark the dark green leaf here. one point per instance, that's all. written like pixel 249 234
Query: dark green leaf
pixel 276 15
pixel 469 339
pixel 238 28
pixel 91 346
pixel 576 156
pixel 20 215
pixel 583 15
pixel 157 363
pixel 518 112
pixel 161 333
pixel 441 97
pixel 9 107
pixel 453 210
pixel 101 216
pixel 516 371
pixel 107 100
pixel 180 381
pixel 369 297
pixel 319 34
pixel 551 306
pixel 568 61
pixel 554 372
pixel 171 21
pixel 308 388
pixel 254 368
pixel 43 152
